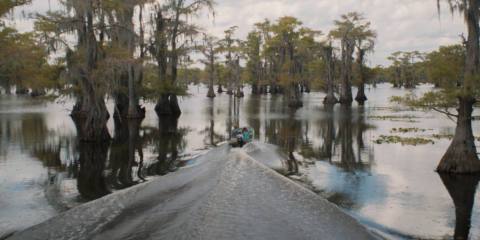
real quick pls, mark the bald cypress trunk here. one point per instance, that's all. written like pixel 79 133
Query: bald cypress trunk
pixel 239 92
pixel 8 89
pixel 167 104
pixel 255 89
pixel 134 71
pixel 95 128
pixel 134 109
pixel 230 88
pixel 330 99
pixel 294 96
pixel 121 104
pixel 96 114
pixel 461 157
pixel 211 91
pixel 346 97
pixel 172 97
pixel 361 98
pixel 163 105
pixel 175 106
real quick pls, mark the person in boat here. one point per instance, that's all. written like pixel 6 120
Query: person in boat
pixel 242 136
pixel 246 135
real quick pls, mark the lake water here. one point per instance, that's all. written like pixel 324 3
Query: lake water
pixel 338 153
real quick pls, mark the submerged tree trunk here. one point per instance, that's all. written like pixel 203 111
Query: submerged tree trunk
pixel 95 128
pixel 163 105
pixel 294 96
pixel 219 89
pixel 461 157
pixel 255 90
pixel 20 90
pixel 8 89
pixel 230 89
pixel 239 93
pixel 330 99
pixel 121 105
pixel 37 92
pixel 346 97
pixel 211 92
pixel 174 105
pixel 79 108
pixel 167 105
pixel 361 98
pixel 134 109
pixel 306 87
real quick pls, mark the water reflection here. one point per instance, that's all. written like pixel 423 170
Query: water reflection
pixel 462 190
pixel 91 181
pixel 233 118
pixel 290 136
pixel 327 133
pixel 345 140
pixel 212 138
pixel 169 142
pixel 389 185
pixel 125 145
pixel 354 153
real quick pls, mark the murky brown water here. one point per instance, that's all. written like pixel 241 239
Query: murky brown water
pixel 389 187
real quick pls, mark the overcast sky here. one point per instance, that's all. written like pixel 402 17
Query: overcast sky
pixel 402 25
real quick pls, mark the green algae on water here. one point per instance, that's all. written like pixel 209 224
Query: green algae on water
pixel 412 141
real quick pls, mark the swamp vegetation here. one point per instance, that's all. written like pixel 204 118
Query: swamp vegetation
pixel 147 90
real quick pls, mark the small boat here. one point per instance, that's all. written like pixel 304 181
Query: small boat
pixel 241 136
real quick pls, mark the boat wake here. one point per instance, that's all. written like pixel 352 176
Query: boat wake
pixel 226 194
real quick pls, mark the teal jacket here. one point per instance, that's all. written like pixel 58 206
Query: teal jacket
pixel 246 136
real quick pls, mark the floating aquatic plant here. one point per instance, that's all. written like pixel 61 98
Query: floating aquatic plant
pixel 413 141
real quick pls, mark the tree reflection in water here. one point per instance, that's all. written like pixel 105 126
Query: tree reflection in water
pixel 345 139
pixel 125 144
pixel 327 127
pixel 233 119
pixel 291 133
pixel 252 110
pixel 91 169
pixel 92 157
pixel 212 138
pixel 287 134
pixel 91 181
pixel 126 156
pixel 169 143
pixel 462 189
pixel 352 123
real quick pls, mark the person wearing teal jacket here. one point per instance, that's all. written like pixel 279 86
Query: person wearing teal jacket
pixel 246 135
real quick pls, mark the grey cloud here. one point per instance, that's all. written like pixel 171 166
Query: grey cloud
pixel 401 24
